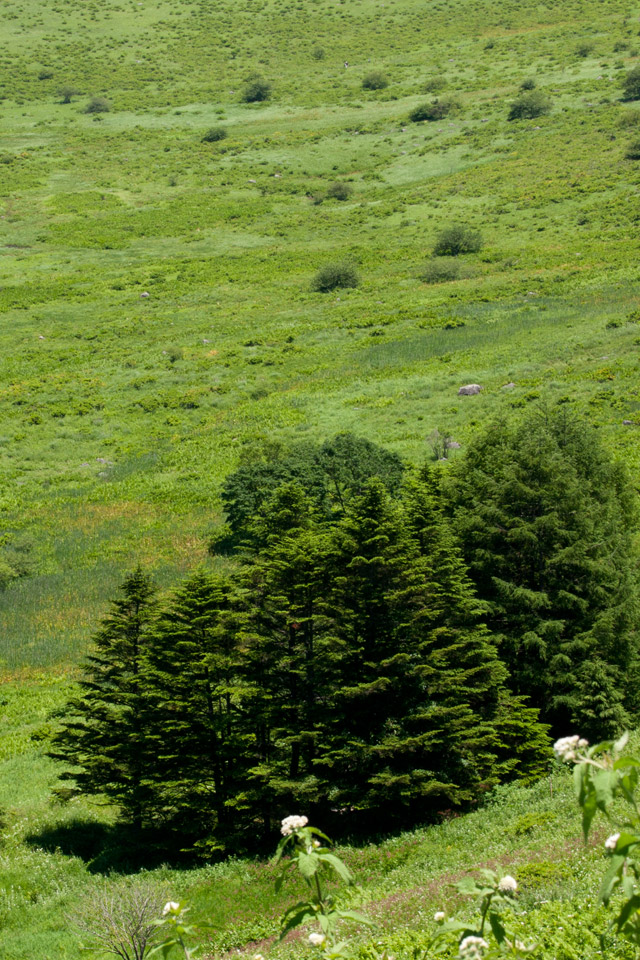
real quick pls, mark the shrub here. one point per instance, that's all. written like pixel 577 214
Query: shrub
pixel 375 81
pixel 318 53
pixel 631 84
pixel 529 105
pixel 457 239
pixel 440 270
pixel 434 84
pixel 45 74
pixel 333 276
pixel 340 191
pixel 528 84
pixel 98 105
pixel 435 110
pixel 630 118
pixel 633 150
pixel 214 134
pixel 256 91
pixel 584 49
pixel 67 93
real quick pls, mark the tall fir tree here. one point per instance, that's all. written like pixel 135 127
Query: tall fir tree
pixel 102 740
pixel 193 722
pixel 547 524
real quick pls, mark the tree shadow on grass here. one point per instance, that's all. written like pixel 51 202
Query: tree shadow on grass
pixel 105 848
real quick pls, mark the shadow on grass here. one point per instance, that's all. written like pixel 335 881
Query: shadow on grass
pixel 104 848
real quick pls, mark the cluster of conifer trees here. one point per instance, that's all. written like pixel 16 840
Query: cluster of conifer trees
pixel 382 645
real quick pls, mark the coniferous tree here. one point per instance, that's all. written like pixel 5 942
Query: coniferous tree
pixel 193 721
pixel 547 524
pixel 102 736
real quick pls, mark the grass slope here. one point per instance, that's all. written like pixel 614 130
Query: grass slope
pixel 51 864
pixel 121 413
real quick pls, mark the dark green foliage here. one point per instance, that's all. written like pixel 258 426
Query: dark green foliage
pixel 330 474
pixel 16 559
pixel 376 80
pixel 436 110
pixel 440 270
pixel 633 150
pixel 457 239
pixel 528 84
pixel 256 91
pixel 98 105
pixel 584 49
pixel 45 74
pixel 547 525
pixel 192 716
pixel 335 276
pixel 340 191
pixel 102 737
pixel 529 105
pixel 318 53
pixel 214 134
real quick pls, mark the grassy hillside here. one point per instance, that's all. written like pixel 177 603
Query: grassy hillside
pixel 53 862
pixel 121 413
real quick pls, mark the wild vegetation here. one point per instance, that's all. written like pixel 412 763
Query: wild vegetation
pixel 221 247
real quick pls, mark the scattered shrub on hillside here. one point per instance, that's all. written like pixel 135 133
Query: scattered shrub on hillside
pixel 529 822
pixel 98 105
pixel 529 105
pixel 434 84
pixel 318 53
pixel 584 49
pixel 256 91
pixel 631 84
pixel 440 270
pixel 214 134
pixel 333 276
pixel 633 150
pixel 435 110
pixel 67 93
pixel 124 921
pixel 375 81
pixel 45 74
pixel 340 191
pixel 457 239
pixel 620 45
pixel 630 118
pixel 528 84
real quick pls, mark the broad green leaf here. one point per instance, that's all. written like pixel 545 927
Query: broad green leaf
pixel 612 877
pixel 307 865
pixel 496 925
pixel 336 864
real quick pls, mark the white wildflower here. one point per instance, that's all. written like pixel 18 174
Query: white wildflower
pixel 471 948
pixel 566 748
pixel 612 841
pixel 439 916
pixel 507 885
pixel 170 907
pixel 258 956
pixel 289 824
pixel 316 939
pixel 316 844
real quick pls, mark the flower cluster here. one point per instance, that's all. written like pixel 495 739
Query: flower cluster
pixel 291 824
pixel 507 885
pixel 472 948
pixel 612 841
pixel 439 916
pixel 566 748
pixel 316 939
pixel 170 907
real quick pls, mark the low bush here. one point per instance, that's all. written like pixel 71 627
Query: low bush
pixel 436 110
pixel 67 93
pixel 45 74
pixel 256 91
pixel 633 150
pixel 339 191
pixel 434 84
pixel 529 105
pixel 457 239
pixel 584 49
pixel 631 84
pixel 528 84
pixel 318 53
pixel 440 270
pixel 375 81
pixel 214 134
pixel 333 276
pixel 98 105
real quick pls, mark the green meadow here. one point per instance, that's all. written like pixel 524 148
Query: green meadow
pixel 157 316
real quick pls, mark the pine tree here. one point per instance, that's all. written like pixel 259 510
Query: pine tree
pixel 102 736
pixel 547 524
pixel 193 718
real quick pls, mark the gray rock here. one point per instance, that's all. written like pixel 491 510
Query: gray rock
pixel 143 296
pixel 453 445
pixel 627 423
pixel 469 390
pixel 508 386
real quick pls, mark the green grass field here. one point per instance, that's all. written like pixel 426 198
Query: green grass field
pixel 121 413
pixel 157 314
